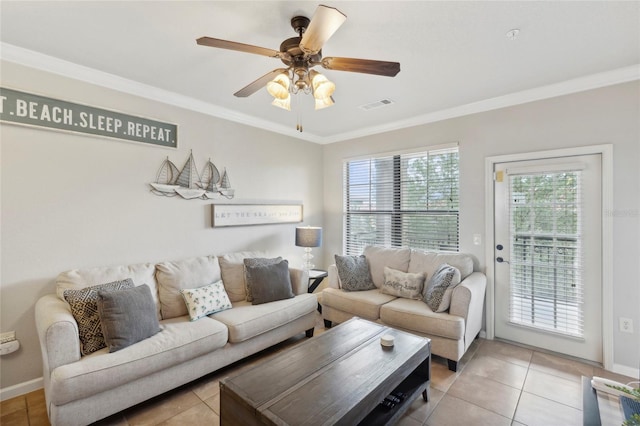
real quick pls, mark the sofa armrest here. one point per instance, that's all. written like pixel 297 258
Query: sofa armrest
pixel 333 278
pixel 58 333
pixel 467 301
pixel 299 280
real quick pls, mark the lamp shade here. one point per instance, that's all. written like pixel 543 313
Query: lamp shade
pixel 309 236
pixel 322 87
pixel 279 86
pixel 282 103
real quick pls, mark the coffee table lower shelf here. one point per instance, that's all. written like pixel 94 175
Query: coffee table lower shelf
pixel 414 385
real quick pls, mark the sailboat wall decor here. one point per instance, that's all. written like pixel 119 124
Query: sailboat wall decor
pixel 189 184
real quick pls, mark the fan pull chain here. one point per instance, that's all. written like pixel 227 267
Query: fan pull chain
pixel 299 116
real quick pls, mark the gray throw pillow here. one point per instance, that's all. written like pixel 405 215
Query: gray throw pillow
pixel 441 285
pixel 84 307
pixel 256 261
pixel 269 282
pixel 127 316
pixel 354 273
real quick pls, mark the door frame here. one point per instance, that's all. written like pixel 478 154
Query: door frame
pixel 606 152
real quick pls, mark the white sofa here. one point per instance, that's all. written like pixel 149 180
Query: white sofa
pixel 450 332
pixel 82 389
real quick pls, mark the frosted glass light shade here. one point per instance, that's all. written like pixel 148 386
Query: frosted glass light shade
pixel 282 103
pixel 279 87
pixel 324 102
pixel 322 87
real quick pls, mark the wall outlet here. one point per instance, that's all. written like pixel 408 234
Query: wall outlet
pixel 7 337
pixel 626 325
pixel 477 239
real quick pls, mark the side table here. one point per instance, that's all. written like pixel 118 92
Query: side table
pixel 315 278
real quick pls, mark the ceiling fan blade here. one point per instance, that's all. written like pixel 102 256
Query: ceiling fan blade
pixel 240 47
pixel 366 66
pixel 325 21
pixel 251 88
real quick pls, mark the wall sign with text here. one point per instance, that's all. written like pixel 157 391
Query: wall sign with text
pixel 34 110
pixel 255 214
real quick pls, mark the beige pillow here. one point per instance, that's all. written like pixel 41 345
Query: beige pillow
pixel 402 284
pixel 379 257
pixel 232 270
pixel 183 274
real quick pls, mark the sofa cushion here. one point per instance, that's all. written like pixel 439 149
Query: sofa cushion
pixel 402 284
pixel 364 304
pixel 415 315
pixel 127 316
pixel 183 274
pixel 379 257
pixel 253 262
pixel 269 282
pixel 246 320
pixel 232 270
pixel 437 292
pixel 179 341
pixel 203 301
pixel 354 273
pixel 429 261
pixel 141 273
pixel 84 308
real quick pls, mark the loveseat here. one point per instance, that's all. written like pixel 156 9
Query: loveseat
pixel 451 331
pixel 81 389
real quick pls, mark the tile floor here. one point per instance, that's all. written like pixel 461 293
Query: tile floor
pixel 496 384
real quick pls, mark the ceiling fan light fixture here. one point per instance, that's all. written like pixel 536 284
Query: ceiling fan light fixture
pixel 279 86
pixel 282 103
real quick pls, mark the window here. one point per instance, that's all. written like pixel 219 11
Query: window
pixel 402 200
pixel 546 260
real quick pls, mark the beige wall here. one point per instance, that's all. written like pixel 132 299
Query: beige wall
pixel 604 116
pixel 72 201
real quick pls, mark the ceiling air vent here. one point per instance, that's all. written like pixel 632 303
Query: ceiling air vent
pixel 377 104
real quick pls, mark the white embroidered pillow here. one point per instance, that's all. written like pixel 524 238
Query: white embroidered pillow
pixel 203 301
pixel 402 284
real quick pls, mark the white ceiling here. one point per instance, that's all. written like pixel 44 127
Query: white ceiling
pixel 455 57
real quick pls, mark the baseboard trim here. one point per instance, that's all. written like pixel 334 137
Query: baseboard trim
pixel 21 389
pixel 626 371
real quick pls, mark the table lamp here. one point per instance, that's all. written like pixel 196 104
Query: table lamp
pixel 308 237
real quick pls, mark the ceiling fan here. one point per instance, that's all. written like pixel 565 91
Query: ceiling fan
pixel 300 54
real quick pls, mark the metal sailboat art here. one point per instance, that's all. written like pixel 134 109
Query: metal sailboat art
pixel 189 184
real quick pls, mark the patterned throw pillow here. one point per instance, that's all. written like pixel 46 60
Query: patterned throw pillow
pixel 206 300
pixel 402 284
pixel 84 307
pixel 251 263
pixel 354 273
pixel 127 316
pixel 441 285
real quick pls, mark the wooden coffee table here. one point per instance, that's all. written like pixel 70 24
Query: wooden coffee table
pixel 339 377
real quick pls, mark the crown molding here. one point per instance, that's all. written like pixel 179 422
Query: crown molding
pixel 581 84
pixel 32 59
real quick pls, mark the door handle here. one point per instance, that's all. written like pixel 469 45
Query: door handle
pixel 501 260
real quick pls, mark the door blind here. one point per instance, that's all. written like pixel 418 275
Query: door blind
pixel 546 258
pixel 403 200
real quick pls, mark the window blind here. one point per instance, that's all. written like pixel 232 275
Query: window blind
pixel 402 200
pixel 546 257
